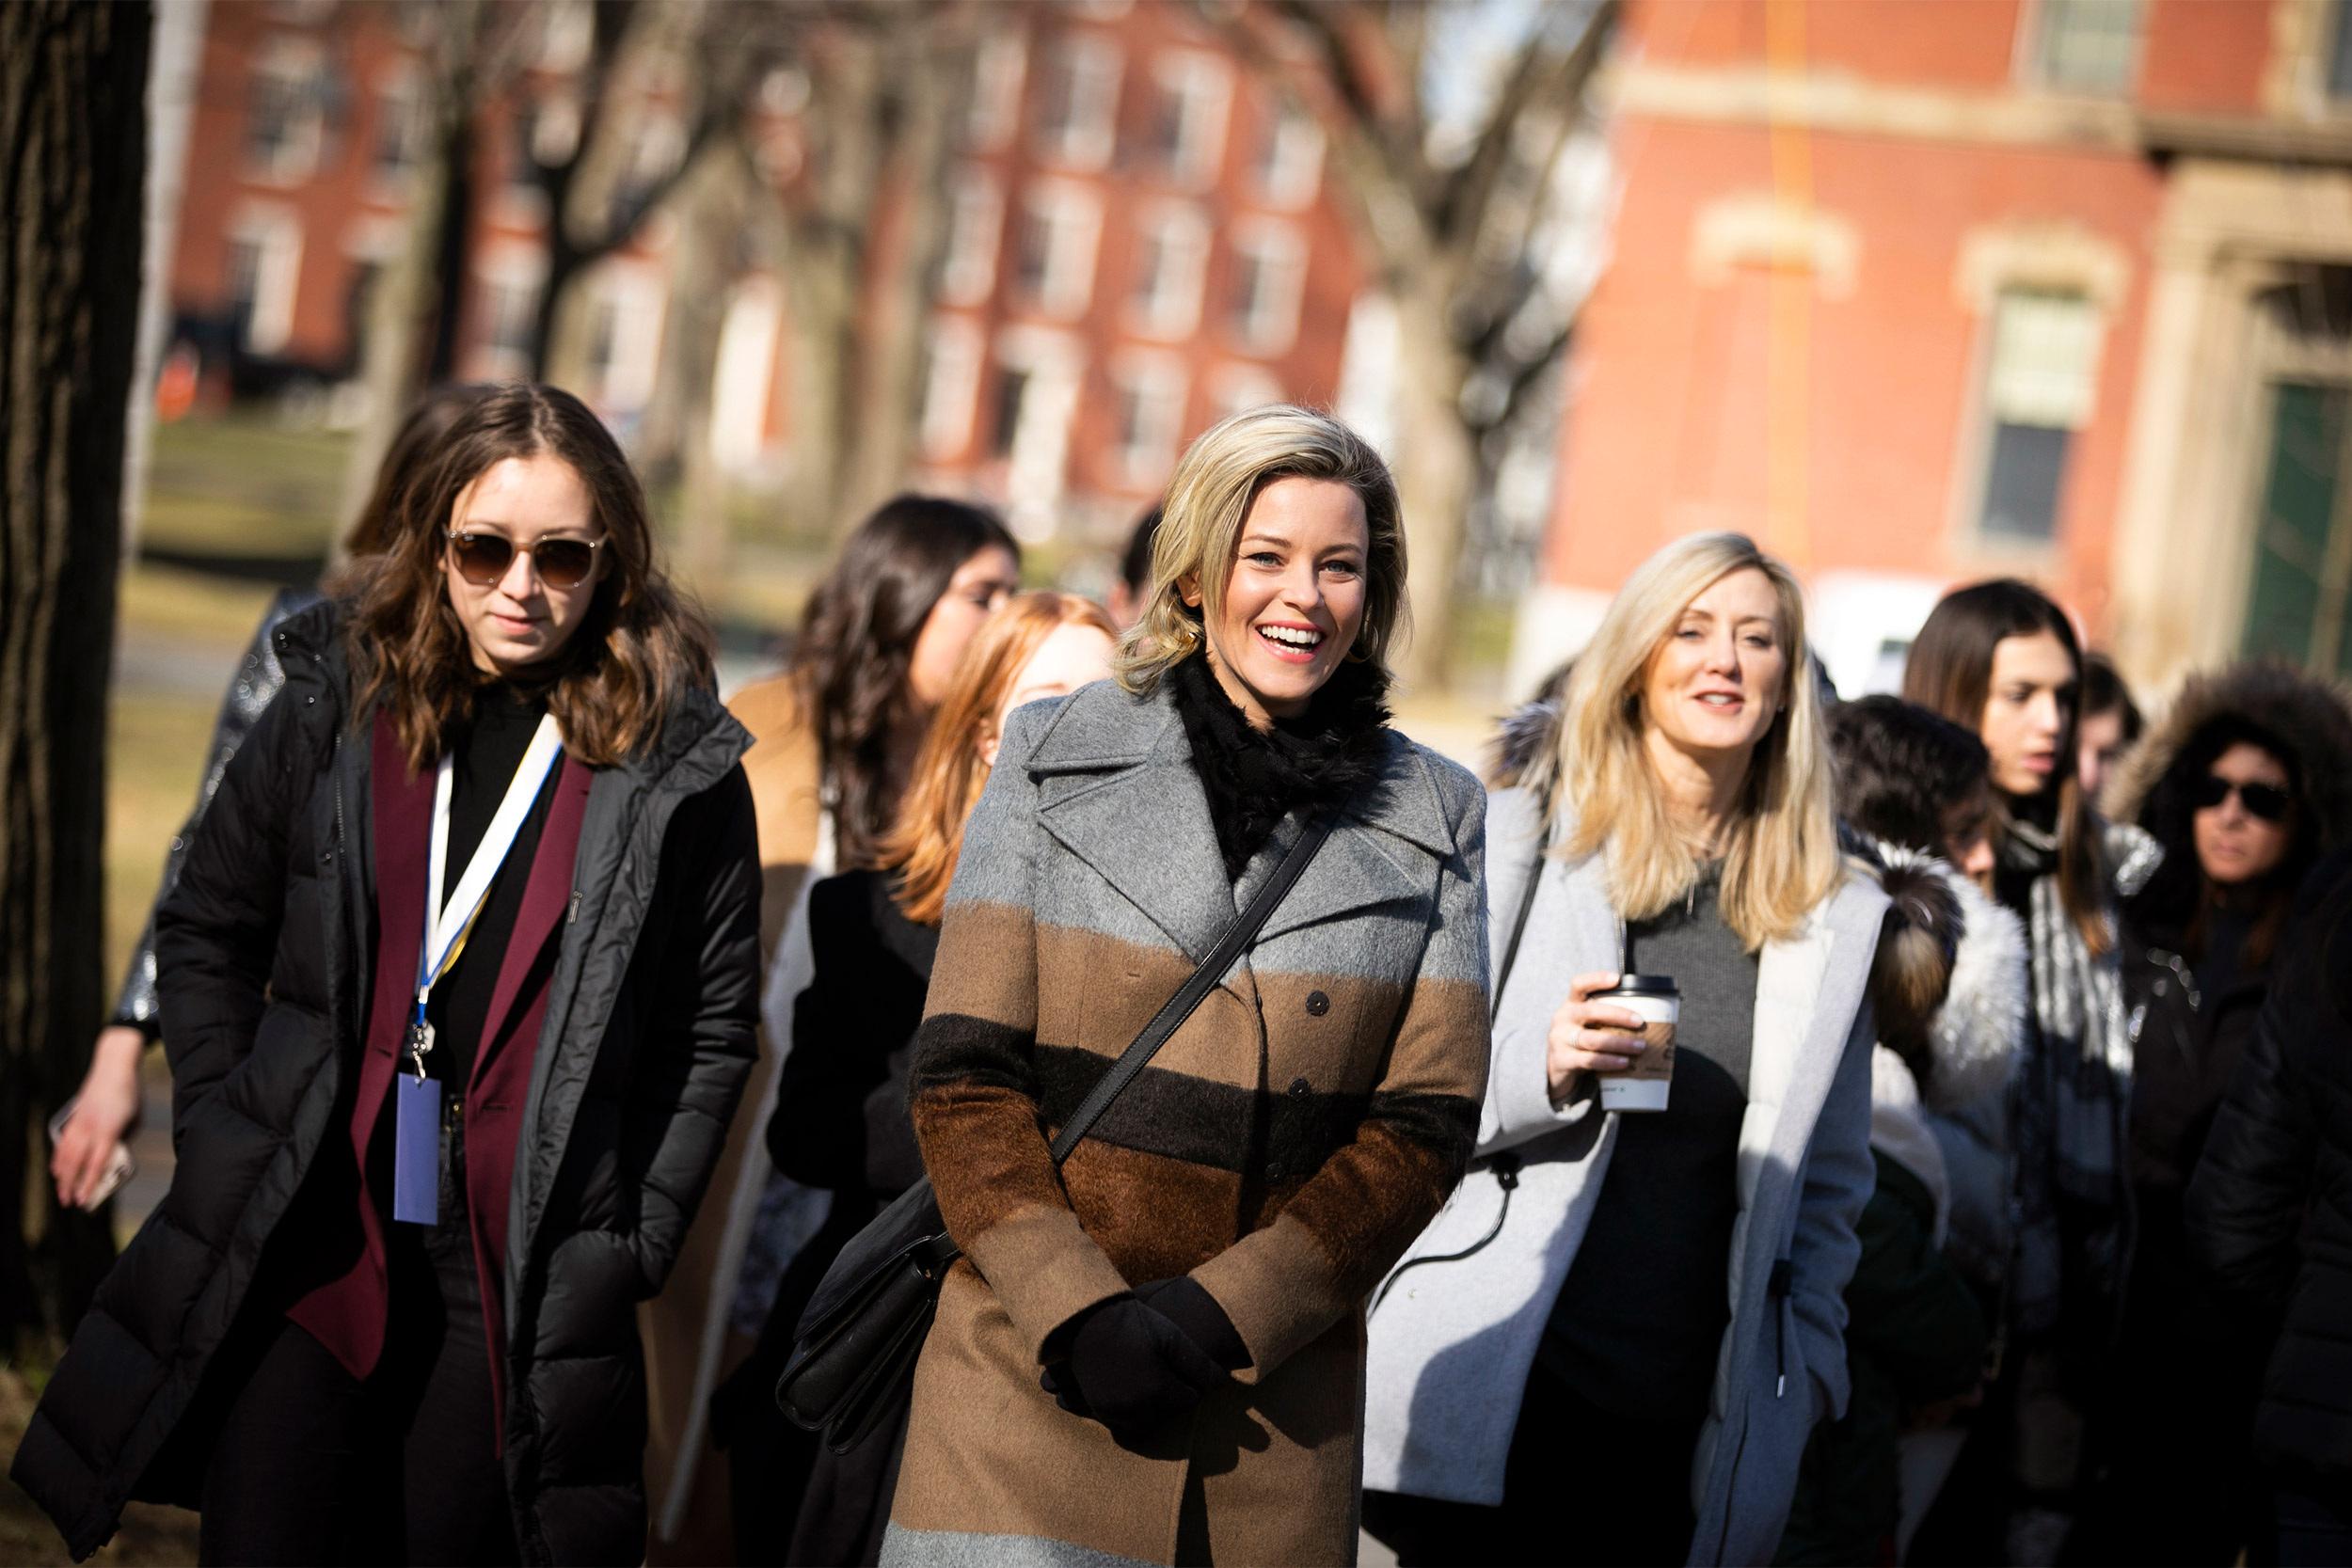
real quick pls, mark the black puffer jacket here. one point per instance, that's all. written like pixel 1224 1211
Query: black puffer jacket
pixel 264 950
pixel 2278 1168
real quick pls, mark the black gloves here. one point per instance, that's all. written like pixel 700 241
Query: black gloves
pixel 1140 1363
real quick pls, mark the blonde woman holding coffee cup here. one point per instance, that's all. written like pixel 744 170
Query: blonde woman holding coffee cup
pixel 1611 1344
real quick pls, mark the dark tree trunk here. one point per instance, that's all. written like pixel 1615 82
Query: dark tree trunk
pixel 457 153
pixel 73 141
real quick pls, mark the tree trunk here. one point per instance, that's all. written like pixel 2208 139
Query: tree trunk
pixel 74 126
pixel 400 305
pixel 1436 466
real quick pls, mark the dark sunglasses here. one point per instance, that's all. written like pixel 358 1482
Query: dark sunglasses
pixel 482 557
pixel 2267 801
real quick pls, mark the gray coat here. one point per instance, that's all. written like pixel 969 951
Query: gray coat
pixel 1281 1148
pixel 1450 1347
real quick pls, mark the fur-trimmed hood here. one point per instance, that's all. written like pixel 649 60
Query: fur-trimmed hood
pixel 2308 714
pixel 1941 926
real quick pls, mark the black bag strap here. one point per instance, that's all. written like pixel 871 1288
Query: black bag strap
pixel 1170 1018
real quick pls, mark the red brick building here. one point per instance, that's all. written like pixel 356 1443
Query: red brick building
pixel 1923 291
pixel 1139 244
pixel 1139 240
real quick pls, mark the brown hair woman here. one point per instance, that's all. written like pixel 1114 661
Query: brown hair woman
pixel 458 984
pixel 835 741
pixel 2002 659
pixel 107 1105
pixel 841 1120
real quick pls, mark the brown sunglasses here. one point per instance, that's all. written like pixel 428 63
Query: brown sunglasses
pixel 482 557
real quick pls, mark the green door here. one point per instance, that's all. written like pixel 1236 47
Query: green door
pixel 2303 545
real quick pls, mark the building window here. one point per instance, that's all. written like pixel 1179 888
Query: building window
pixel 953 387
pixel 2039 386
pixel 401 129
pixel 1288 167
pixel 510 312
pixel 1011 392
pixel 1149 409
pixel 2340 51
pixel 1078 102
pixel 1054 258
pixel 996 92
pixel 286 114
pixel 264 276
pixel 2087 46
pixel 2296 607
pixel 1237 388
pixel 975 222
pixel 1269 270
pixel 1188 131
pixel 1172 257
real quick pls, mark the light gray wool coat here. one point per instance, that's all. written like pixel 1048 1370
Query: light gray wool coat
pixel 1450 1344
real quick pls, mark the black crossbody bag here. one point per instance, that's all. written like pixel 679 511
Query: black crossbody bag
pixel 856 1345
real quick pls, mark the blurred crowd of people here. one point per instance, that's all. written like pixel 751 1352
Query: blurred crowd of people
pixel 2000 1210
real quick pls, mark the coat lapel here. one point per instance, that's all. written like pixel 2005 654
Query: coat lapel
pixel 545 897
pixel 1117 789
pixel 1390 840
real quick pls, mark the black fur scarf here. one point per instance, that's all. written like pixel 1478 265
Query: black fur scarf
pixel 1253 778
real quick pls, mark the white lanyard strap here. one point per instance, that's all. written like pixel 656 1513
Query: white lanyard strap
pixel 446 921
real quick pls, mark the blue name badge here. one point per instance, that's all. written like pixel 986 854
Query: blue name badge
pixel 416 1149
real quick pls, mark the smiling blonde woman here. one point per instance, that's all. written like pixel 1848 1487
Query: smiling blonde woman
pixel 1155 1352
pixel 1626 1286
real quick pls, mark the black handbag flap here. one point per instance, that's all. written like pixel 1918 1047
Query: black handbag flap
pixel 911 1221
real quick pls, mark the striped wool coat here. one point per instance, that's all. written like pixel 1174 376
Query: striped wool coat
pixel 1282 1148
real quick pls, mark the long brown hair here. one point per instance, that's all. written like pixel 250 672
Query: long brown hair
pixel 849 665
pixel 950 774
pixel 1951 671
pixel 638 649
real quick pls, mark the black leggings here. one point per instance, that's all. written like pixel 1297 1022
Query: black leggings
pixel 314 1465
pixel 1551 1513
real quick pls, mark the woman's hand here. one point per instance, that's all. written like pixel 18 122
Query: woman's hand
pixel 1588 1036
pixel 104 1111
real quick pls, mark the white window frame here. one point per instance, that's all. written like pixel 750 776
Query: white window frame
pixel 975 222
pixel 633 291
pixel 400 126
pixel 1037 469
pixel 1201 85
pixel 1072 215
pixel 509 275
pixel 2037 20
pixel 1154 384
pixel 1289 171
pixel 2049 405
pixel 743 378
pixel 1173 257
pixel 1088 67
pixel 1267 321
pixel 951 391
pixel 275 236
pixel 997 69
pixel 298 66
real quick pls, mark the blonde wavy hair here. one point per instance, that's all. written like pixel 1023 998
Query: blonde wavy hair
pixel 924 844
pixel 1780 851
pixel 1208 502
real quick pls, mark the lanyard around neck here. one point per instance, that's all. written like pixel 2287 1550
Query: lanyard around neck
pixel 448 921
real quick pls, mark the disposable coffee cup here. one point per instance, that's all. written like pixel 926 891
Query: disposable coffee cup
pixel 1644 1085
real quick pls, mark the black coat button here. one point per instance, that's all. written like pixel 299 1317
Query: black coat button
pixel 1301 1088
pixel 1318 1004
pixel 1274 1170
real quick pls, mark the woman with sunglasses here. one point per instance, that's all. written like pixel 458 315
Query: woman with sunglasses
pixel 2246 783
pixel 459 982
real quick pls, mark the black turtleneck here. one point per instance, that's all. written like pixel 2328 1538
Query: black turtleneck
pixel 1254 778
pixel 488 751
